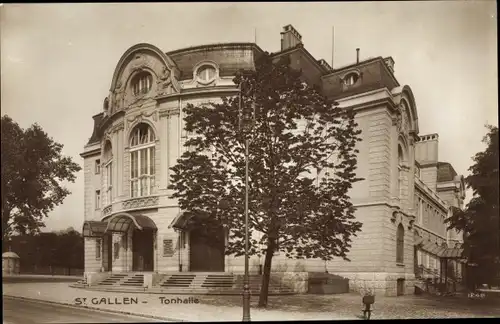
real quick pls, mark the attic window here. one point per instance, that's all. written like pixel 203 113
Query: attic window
pixel 351 79
pixel 206 73
pixel 141 83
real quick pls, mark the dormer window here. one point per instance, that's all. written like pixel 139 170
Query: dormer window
pixel 141 83
pixel 351 79
pixel 206 73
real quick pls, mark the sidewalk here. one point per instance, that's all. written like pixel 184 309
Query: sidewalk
pixel 151 305
pixel 37 276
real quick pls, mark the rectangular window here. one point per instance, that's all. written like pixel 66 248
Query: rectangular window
pixel 168 249
pixel 98 247
pixel 109 182
pixel 142 173
pixel 97 166
pixel 97 199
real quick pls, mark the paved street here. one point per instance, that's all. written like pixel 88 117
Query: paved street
pixel 16 311
pixel 152 305
pixel 217 308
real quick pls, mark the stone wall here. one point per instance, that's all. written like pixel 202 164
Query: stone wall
pixel 92 264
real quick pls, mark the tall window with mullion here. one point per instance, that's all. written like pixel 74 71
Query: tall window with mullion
pixel 142 161
pixel 108 174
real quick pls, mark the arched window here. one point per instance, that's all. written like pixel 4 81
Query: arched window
pixel 351 79
pixel 400 244
pixel 141 83
pixel 108 172
pixel 142 161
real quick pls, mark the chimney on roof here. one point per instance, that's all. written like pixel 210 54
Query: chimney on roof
pixel 390 63
pixel 290 37
pixel 357 55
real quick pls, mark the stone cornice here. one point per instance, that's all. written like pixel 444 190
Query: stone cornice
pixel 368 99
pixel 218 90
pixel 422 187
pixel 429 231
pixel 92 152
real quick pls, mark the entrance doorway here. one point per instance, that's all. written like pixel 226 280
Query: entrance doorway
pixel 206 252
pixel 400 287
pixel 108 248
pixel 143 250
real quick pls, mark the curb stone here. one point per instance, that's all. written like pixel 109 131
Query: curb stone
pixel 97 309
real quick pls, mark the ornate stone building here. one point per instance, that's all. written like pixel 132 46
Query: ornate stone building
pixel 132 224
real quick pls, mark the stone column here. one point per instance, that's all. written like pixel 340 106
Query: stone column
pixel 129 253
pixel 155 251
pixel 173 140
pixel 126 173
pixel 119 162
pixel 117 243
pixel 404 196
pixel 163 153
pixel 411 176
pixel 394 162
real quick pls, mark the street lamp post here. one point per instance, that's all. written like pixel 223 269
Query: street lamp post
pixel 246 278
pixel 246 281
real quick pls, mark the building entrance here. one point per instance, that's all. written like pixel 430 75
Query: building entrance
pixel 143 250
pixel 108 249
pixel 206 251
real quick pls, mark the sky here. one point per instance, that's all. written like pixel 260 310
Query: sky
pixel 57 60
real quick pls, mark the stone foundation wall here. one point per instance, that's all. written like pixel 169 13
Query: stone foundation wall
pixel 298 281
pixel 382 283
pixel 95 277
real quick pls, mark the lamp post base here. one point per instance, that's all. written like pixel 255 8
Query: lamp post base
pixel 246 303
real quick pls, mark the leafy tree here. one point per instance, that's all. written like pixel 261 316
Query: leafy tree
pixel 32 169
pixel 480 221
pixel 293 131
pixel 61 249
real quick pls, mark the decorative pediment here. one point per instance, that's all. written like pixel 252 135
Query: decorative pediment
pixel 140 117
pixel 160 72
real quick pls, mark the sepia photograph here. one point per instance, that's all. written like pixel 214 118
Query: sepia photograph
pixel 239 161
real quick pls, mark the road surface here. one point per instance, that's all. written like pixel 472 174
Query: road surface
pixel 17 311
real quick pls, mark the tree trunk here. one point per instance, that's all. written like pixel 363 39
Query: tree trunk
pixel 264 288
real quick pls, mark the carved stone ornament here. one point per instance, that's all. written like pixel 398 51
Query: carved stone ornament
pixel 394 216
pixel 165 74
pixel 115 128
pixel 410 225
pixel 107 210
pixel 402 122
pixel 145 114
pixel 138 62
pixel 398 122
pixel 405 125
pixel 141 202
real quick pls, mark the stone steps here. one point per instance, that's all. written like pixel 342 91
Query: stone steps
pixel 114 279
pixel 190 283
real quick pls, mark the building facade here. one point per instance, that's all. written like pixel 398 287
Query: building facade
pixel 132 224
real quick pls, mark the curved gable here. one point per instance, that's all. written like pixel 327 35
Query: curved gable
pixel 407 93
pixel 143 61
pixel 146 49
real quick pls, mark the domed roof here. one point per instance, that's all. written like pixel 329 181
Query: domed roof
pixel 11 255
